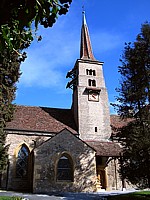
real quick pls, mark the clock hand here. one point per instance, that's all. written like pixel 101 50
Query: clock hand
pixel 93 96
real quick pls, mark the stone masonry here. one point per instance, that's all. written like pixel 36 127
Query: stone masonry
pixel 83 159
pixel 15 140
pixel 91 114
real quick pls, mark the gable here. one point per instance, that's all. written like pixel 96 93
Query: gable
pixel 65 141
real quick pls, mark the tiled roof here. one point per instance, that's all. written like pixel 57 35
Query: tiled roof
pixel 31 118
pixel 105 148
pixel 54 120
pixel 118 122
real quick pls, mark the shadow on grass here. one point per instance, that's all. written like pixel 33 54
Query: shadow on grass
pixel 132 196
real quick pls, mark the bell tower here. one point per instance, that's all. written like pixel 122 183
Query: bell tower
pixel 90 98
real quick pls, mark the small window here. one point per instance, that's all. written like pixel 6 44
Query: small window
pixel 95 129
pixel 22 162
pixel 90 72
pixel 64 169
pixel 92 82
pixel 94 73
pixel 87 71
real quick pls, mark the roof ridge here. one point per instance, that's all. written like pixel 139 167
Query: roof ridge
pixel 29 106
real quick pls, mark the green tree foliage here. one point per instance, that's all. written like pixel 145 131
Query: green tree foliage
pixel 19 20
pixel 134 102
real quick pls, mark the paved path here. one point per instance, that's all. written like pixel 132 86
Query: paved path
pixel 65 196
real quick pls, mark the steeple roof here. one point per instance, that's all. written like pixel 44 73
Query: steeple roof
pixel 85 47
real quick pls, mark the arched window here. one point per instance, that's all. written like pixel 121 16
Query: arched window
pixel 64 169
pixel 22 162
pixel 90 72
pixel 92 82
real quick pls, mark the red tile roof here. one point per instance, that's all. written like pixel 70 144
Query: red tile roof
pixel 105 148
pixel 54 120
pixel 31 118
pixel 117 122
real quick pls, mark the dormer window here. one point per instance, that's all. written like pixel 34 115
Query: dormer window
pixel 90 72
pixel 92 82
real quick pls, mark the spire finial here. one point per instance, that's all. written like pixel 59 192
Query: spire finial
pixel 83 15
pixel 83 6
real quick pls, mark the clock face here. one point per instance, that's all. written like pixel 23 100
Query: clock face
pixel 93 96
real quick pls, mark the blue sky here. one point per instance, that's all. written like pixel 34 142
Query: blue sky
pixel 111 23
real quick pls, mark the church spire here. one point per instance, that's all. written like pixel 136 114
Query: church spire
pixel 85 48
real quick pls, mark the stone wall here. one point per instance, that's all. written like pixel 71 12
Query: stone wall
pixel 92 114
pixel 15 139
pixel 113 178
pixel 46 159
pixel 46 155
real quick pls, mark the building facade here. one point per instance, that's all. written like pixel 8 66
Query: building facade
pixel 55 150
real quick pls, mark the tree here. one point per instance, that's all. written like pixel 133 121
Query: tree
pixel 17 21
pixel 134 102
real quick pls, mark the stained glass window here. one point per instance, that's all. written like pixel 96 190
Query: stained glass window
pixel 64 169
pixel 22 162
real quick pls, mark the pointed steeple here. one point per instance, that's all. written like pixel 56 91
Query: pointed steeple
pixel 85 47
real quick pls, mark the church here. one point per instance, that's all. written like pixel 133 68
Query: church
pixel 66 150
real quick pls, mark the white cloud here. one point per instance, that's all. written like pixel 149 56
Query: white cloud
pixel 106 41
pixel 48 60
pixel 39 73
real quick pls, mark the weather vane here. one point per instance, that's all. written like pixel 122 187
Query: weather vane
pixel 83 6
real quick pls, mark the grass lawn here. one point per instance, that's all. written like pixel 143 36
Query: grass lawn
pixel 132 196
pixel 10 198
